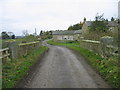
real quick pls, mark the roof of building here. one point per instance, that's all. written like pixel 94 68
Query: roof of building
pixel 89 23
pixel 110 23
pixel 10 33
pixel 78 31
pixel 65 32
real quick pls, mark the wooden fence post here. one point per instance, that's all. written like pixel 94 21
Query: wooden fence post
pixel 4 55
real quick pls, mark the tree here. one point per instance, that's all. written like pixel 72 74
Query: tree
pixel 5 35
pixel 70 27
pixel 76 26
pixel 41 32
pixel 99 17
pixel 50 32
pixel 106 20
pixel 100 24
pixel 84 20
pixel 29 38
pixel 112 19
pixel 13 36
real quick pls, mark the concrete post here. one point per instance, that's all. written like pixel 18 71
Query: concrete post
pixel 13 50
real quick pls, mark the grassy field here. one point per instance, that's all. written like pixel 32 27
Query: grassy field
pixel 107 68
pixel 63 43
pixel 20 40
pixel 4 43
pixel 15 70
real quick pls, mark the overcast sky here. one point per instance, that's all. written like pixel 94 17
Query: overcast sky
pixel 19 15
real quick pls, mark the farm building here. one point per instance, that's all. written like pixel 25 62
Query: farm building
pixel 63 35
pixel 69 35
pixel 111 24
pixel 77 35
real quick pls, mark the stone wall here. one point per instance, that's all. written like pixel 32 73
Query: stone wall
pixel 18 50
pixel 97 46
pixel 91 45
pixel 25 48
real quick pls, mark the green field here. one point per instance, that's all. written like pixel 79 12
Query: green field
pixel 15 70
pixel 20 40
pixel 4 43
pixel 63 43
pixel 107 68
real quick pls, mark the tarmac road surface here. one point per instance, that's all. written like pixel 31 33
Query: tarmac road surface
pixel 62 68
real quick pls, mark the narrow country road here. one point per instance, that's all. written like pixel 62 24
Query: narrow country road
pixel 62 68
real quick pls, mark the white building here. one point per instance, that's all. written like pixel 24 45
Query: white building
pixel 10 34
pixel 63 35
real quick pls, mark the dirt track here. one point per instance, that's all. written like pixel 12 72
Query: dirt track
pixel 62 68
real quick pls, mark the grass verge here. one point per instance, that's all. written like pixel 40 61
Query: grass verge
pixel 108 68
pixel 14 71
